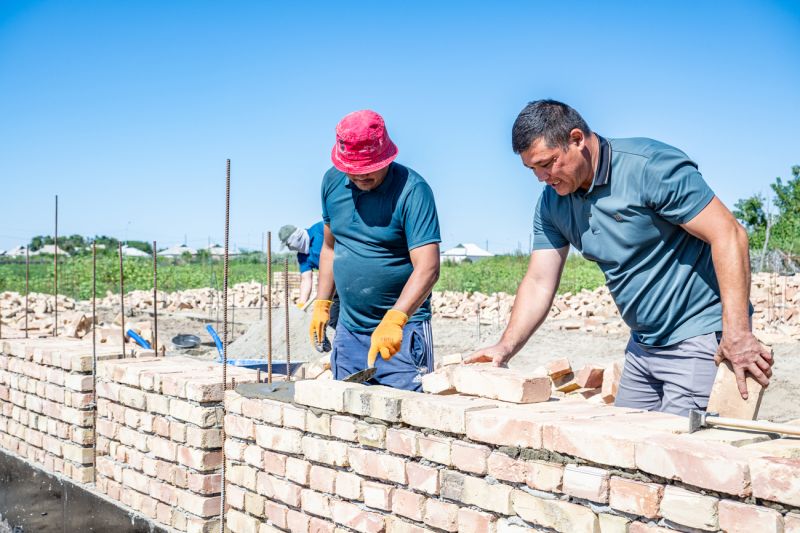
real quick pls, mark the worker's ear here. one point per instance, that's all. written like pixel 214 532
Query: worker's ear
pixel 577 138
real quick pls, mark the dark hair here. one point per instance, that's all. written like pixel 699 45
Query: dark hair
pixel 549 119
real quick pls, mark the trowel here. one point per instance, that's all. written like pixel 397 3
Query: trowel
pixel 361 376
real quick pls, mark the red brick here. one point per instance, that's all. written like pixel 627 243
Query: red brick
pixel 442 413
pixel 353 517
pixel 471 521
pixel 776 479
pixel 737 517
pixel 469 457
pixel 704 464
pixel 558 367
pixel 237 426
pixel 441 515
pixel 422 477
pixel 635 497
pixel 205 506
pixel 199 459
pixel 590 377
pixel 611 377
pixel 501 384
pixel 377 465
pixel 435 448
pixel 318 525
pixel 501 466
pixel 297 522
pixel 408 504
pixel 267 411
pixel 204 483
pixel 276 513
pixel 275 463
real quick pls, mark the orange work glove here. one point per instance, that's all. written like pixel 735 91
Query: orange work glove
pixel 387 336
pixel 319 320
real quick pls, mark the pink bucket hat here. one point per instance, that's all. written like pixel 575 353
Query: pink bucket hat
pixel 362 144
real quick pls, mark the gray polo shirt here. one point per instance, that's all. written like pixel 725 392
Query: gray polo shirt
pixel 661 277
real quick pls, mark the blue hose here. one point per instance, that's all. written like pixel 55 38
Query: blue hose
pixel 140 341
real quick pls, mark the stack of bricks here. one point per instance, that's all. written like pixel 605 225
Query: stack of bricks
pixel 159 444
pixel 345 457
pixel 46 403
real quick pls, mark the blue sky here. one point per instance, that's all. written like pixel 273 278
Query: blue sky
pixel 128 109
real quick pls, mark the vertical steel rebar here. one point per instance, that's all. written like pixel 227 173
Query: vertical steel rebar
pixel 94 359
pixel 155 299
pixel 261 298
pixel 27 276
pixel 225 336
pixel 286 315
pixel 269 307
pixel 122 296
pixel 55 276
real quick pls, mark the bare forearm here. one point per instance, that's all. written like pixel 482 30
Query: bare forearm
pixel 731 258
pixel 306 281
pixel 417 288
pixel 531 307
pixel 325 285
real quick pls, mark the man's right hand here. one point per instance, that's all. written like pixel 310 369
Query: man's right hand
pixel 498 355
pixel 319 320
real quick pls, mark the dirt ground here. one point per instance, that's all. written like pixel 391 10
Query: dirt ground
pixel 248 333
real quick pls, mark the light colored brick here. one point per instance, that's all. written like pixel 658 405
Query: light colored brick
pixel 319 423
pixel 501 466
pixel 441 515
pixel 791 523
pixel 612 523
pixel 377 465
pixel 275 463
pixel 556 514
pixel 382 403
pixel 442 413
pixel 558 367
pixel 203 460
pixel 402 442
pixel 434 448
pixel 725 399
pixel 322 479
pixel 470 457
pixel 635 497
pixel 240 427
pixel 315 503
pixel 330 452
pixel 276 513
pixel 319 525
pixel 690 508
pixel 239 522
pixel 501 384
pixel 776 479
pixel 294 417
pixel 586 482
pixel 204 506
pixel 396 525
pixel 373 435
pixel 268 411
pixel 297 470
pixel 297 522
pixel 344 428
pixel 279 439
pixel 378 495
pixel 348 485
pixel 241 475
pixel 545 476
pixel 323 394
pixel 254 456
pixel 706 465
pixel 737 517
pixel 471 521
pixel 204 417
pixel 408 504
pixel 476 491
pixel 439 381
pixel 353 517
pixel 505 427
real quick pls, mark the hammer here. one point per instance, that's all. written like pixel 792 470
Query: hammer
pixel 700 419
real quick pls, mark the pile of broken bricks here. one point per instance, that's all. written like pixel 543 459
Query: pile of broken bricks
pixel 597 384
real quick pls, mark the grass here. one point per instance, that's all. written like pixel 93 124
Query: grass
pixel 495 274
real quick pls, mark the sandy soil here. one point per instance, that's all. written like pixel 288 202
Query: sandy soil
pixel 247 340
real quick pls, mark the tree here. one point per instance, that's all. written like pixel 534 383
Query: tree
pixel 784 225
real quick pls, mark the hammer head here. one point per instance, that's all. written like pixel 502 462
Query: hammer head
pixel 697 420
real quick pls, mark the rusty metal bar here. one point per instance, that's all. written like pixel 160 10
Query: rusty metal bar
pixel 122 296
pixel 55 276
pixel 269 307
pixel 286 315
pixel 225 336
pixel 94 359
pixel 155 299
pixel 27 276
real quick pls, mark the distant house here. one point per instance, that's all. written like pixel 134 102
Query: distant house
pixel 177 251
pixel 48 249
pixel 17 251
pixel 470 251
pixel 127 251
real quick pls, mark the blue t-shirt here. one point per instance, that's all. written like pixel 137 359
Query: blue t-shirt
pixel 316 236
pixel 661 277
pixel 374 231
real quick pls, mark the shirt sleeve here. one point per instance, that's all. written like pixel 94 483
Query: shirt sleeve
pixel 674 188
pixel 545 234
pixel 303 261
pixel 326 218
pixel 420 219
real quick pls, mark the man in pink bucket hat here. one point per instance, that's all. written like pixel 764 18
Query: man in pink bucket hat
pixel 380 254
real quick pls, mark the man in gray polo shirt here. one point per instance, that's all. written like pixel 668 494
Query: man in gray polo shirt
pixel 675 259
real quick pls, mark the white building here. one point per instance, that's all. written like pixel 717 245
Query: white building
pixel 177 251
pixel 127 251
pixel 470 251
pixel 48 249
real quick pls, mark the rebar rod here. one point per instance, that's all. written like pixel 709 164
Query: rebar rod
pixel 155 299
pixel 55 276
pixel 121 297
pixel 269 307
pixel 27 275
pixel 94 359
pixel 286 316
pixel 225 336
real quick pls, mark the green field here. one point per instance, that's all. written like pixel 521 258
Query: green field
pixel 495 274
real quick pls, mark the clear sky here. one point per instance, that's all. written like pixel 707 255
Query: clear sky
pixel 128 109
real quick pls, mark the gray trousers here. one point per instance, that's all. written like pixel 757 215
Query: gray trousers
pixel 673 379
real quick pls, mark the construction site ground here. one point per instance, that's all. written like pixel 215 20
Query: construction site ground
pixel 247 340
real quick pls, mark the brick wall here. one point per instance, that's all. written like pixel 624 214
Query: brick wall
pixel 373 459
pixel 159 441
pixel 46 403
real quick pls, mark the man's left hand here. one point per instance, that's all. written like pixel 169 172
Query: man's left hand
pixel 746 355
pixel 387 337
